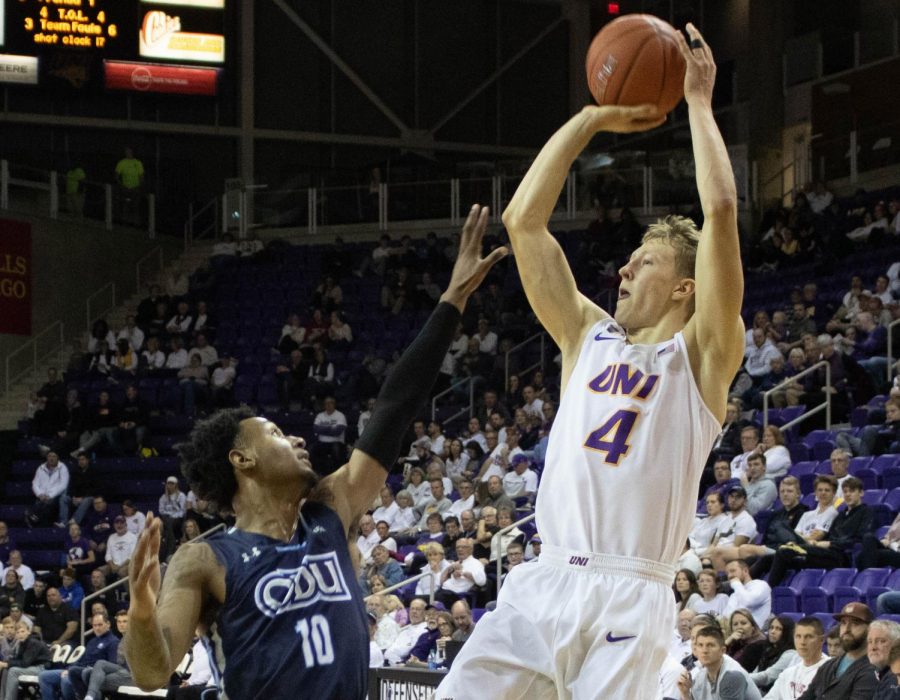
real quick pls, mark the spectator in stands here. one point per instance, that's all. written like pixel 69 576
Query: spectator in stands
pixel 520 482
pixel 49 487
pixel 417 487
pixel 30 657
pixel 58 622
pixel 833 646
pixel 102 647
pixel 320 378
pixel 747 593
pixel 758 486
pixel 436 503
pixel 98 583
pixel 840 468
pixel 101 361
pixel 7 544
pixel 79 555
pixel 50 414
pixel 871 350
pixel 722 476
pixel 881 552
pixel 715 670
pixel 11 592
pixel 119 549
pixel 711 601
pixel 98 524
pixel 222 384
pixel 434 554
pixel 382 565
pixel 193 381
pixel 463 575
pixel 71 591
pixel 406 516
pixel 466 500
pixel 462 618
pixel 132 429
pixel 387 511
pixel 780 530
pixel 883 634
pixel 35 598
pixel 505 516
pixel 293 335
pixel 316 330
pixel 793 681
pixel 203 320
pixel 746 642
pixel 7 639
pixel 172 507
pixel 209 356
pixel 728 442
pixel 687 592
pixel 487 339
pixel 178 356
pixel 429 647
pixel 147 307
pixel 876 439
pixel 386 627
pixel 850 675
pixel 180 324
pixel 102 425
pixel 330 427
pixel 457 460
pixel 340 334
pixel 24 572
pixel 847 530
pixel 757 357
pixel 152 358
pixel 125 361
pixel 398 652
pixel 384 535
pixel 749 445
pixel 778 458
pixel 83 485
pixel 437 440
pixel 368 538
pixel 452 533
pixel 739 528
pixel 815 524
pixel 290 378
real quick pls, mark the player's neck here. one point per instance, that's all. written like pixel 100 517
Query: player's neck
pixel 665 329
pixel 271 514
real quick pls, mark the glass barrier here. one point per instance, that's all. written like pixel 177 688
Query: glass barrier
pixel 674 182
pixel 346 205
pixel 838 52
pixel 877 43
pixel 878 146
pixel 279 208
pixel 613 186
pixel 831 157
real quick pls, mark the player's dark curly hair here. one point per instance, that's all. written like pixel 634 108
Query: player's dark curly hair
pixel 204 457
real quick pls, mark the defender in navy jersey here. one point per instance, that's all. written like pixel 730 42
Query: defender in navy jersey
pixel 281 585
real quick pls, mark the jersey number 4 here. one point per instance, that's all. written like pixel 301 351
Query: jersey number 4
pixel 612 436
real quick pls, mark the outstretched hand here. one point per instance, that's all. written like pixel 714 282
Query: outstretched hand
pixel 700 73
pixel 470 268
pixel 145 573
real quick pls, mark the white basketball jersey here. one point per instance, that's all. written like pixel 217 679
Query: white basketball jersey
pixel 626 451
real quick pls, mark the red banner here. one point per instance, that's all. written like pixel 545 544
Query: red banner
pixel 150 77
pixel 15 277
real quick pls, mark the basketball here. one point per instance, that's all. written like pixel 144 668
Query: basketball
pixel 635 60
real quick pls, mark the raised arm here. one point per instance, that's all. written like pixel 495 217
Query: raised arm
pixel 161 624
pixel 715 333
pixel 545 273
pixel 354 486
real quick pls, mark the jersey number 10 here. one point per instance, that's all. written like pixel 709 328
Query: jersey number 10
pixel 612 436
pixel 315 640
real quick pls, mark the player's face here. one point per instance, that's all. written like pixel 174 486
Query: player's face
pixel 280 459
pixel 649 280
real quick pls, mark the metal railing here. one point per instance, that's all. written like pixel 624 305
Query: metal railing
pixel 91 314
pixel 496 538
pixel 470 409
pixel 124 581
pixel 157 254
pixel 194 228
pixel 826 406
pixel 542 336
pixel 406 582
pixel 37 356
pixel 890 348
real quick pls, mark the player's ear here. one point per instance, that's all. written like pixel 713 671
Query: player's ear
pixel 242 458
pixel 684 289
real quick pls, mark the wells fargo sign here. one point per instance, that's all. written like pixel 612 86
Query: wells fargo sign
pixel 15 277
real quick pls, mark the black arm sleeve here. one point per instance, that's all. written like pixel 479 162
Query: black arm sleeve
pixel 408 386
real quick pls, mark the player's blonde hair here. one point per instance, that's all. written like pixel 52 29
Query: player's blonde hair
pixel 680 233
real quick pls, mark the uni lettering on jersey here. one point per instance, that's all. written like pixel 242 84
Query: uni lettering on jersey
pixel 319 577
pixel 621 379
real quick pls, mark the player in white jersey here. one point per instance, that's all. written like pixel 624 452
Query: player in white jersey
pixel 643 400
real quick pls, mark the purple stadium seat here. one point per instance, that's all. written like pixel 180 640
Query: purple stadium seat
pixel 827 620
pixel 823 449
pixel 859 416
pixel 819 598
pixel 870 578
pixel 874 497
pixel 823 466
pixel 869 479
pixel 814 436
pixel 809 500
pixel 799 469
pixel 795 616
pixel 477 614
pixel 859 463
pixel 892 500
pixel 882 462
pixel 890 618
pixel 786 598
pixel 799 451
pixel 890 478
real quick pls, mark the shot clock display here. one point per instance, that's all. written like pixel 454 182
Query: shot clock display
pixel 81 43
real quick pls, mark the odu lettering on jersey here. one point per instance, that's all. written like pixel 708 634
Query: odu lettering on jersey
pixel 318 578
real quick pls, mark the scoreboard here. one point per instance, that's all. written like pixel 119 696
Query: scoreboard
pixel 142 45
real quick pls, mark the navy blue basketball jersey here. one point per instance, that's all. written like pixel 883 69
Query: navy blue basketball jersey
pixel 293 624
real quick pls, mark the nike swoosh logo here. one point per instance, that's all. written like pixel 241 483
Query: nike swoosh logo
pixel 604 337
pixel 612 640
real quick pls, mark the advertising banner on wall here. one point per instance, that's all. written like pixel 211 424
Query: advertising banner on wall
pixel 18 69
pixel 15 277
pixel 148 77
pixel 170 37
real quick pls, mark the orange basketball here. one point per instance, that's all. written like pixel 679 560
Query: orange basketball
pixel 635 60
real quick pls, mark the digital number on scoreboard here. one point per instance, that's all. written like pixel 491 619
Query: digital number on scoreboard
pixel 73 24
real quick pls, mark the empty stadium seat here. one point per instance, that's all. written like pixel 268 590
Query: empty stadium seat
pixel 870 578
pixel 820 598
pixel 786 598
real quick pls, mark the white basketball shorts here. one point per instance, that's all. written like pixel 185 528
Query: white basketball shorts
pixel 571 625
